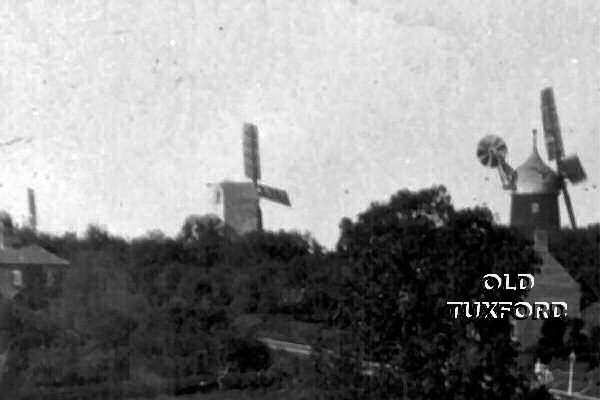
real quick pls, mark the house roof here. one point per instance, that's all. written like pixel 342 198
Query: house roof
pixel 29 255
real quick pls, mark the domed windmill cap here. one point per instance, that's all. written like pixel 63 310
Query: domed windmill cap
pixel 534 176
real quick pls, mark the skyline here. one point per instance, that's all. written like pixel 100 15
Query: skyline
pixel 127 112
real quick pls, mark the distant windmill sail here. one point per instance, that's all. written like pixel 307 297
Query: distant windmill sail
pixel 32 209
pixel 273 194
pixel 251 155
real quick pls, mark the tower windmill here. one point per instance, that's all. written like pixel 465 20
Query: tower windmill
pixel 238 203
pixel 534 185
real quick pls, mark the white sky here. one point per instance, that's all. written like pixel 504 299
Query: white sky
pixel 132 106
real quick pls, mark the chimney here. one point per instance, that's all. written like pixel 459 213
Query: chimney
pixel 540 240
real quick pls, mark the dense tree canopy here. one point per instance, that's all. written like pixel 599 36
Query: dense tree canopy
pixel 578 250
pixel 154 306
pixel 403 261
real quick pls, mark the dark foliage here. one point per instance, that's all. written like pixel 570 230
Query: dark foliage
pixel 578 250
pixel 248 355
pixel 551 343
pixel 419 245
pixel 154 306
pixel 560 337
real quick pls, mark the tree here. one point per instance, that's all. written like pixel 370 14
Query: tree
pixel 551 343
pixel 404 260
pixel 578 250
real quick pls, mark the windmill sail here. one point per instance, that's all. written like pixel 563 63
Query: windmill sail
pixel 252 171
pixel 552 135
pixel 273 194
pixel 569 168
pixel 569 206
pixel 32 209
pixel 572 169
pixel 251 156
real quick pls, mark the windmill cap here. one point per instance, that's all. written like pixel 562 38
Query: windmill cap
pixel 535 176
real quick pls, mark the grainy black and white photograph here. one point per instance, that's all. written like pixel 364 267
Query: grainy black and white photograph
pixel 298 200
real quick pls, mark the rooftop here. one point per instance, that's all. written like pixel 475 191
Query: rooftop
pixel 29 255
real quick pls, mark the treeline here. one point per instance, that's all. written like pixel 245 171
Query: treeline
pixel 161 314
pixel 161 311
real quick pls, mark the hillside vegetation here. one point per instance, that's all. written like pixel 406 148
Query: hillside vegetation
pixel 178 315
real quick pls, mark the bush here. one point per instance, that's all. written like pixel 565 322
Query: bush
pixel 248 355
pixel 419 244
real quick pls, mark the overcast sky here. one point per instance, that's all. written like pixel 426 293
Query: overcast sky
pixel 126 109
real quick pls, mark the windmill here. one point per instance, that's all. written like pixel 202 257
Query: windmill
pixel 238 203
pixel 252 171
pixel 534 186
